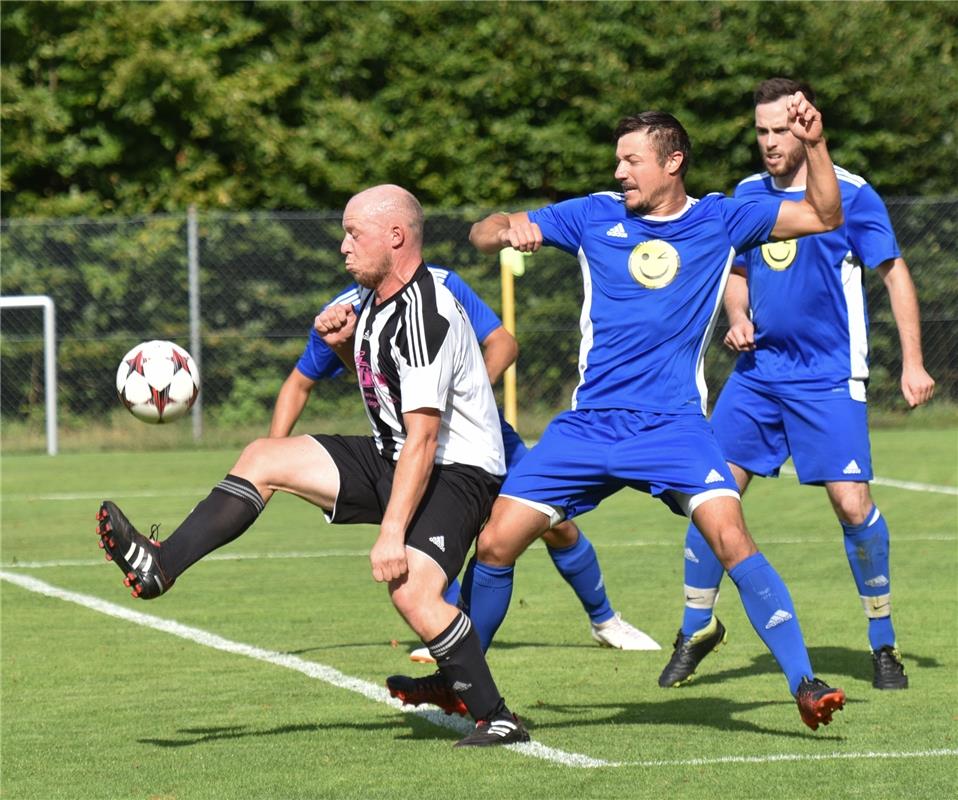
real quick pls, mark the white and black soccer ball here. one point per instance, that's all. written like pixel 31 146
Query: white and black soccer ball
pixel 158 381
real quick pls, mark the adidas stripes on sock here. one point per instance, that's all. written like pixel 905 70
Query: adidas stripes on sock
pixel 232 506
pixel 770 610
pixel 867 548
pixel 462 663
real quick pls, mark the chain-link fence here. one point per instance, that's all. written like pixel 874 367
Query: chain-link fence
pixel 263 277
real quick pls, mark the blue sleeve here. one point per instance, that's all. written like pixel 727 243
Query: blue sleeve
pixel 869 229
pixel 749 222
pixel 318 361
pixel 562 224
pixel 484 320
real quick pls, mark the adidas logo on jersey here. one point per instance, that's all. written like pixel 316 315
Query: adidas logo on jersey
pixel 617 231
pixel 878 580
pixel 690 555
pixel 439 541
pixel 459 686
pixel 777 618
pixel 852 468
pixel 714 476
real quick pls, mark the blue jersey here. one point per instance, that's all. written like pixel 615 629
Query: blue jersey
pixel 653 288
pixel 807 298
pixel 319 361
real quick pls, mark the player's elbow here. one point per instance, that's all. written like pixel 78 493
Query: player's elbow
pixel 833 218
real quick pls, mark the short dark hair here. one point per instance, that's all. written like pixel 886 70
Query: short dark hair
pixel 665 133
pixel 774 88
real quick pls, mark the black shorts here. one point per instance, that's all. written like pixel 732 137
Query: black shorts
pixel 453 509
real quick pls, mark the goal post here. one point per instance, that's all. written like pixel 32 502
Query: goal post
pixel 45 303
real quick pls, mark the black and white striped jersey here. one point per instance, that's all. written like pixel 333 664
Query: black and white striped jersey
pixel 418 350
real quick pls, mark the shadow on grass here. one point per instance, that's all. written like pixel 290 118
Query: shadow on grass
pixel 189 737
pixel 712 712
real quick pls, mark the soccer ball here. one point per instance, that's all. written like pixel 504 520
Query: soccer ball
pixel 157 381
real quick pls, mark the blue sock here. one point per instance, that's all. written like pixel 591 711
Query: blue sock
pixel 867 548
pixel 451 595
pixel 486 592
pixel 703 574
pixel 580 568
pixel 770 610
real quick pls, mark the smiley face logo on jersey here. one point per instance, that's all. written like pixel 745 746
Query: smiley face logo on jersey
pixel 780 255
pixel 654 263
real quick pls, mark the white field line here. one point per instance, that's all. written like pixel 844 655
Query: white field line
pixel 373 692
pixel 279 556
pixel 309 668
pixel 911 486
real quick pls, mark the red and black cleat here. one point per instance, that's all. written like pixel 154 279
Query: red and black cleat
pixel 132 552
pixel 433 689
pixel 817 701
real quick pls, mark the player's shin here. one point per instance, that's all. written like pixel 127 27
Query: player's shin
pixel 579 566
pixel 867 547
pixel 703 574
pixel 486 593
pixel 462 663
pixel 230 508
pixel 769 607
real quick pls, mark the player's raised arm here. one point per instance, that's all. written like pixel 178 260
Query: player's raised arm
pixel 499 230
pixel 821 208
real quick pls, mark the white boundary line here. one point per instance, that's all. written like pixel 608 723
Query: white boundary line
pixel 309 668
pixel 911 486
pixel 378 694
pixel 675 542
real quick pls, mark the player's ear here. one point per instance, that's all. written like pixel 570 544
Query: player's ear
pixel 397 236
pixel 673 163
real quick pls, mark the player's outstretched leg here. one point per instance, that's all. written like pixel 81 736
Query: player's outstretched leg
pixel 688 652
pixel 232 506
pixel 137 557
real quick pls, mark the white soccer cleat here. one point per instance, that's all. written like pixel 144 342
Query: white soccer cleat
pixel 618 633
pixel 421 655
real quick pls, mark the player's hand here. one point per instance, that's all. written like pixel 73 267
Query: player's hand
pixel 917 386
pixel 388 556
pixel 741 336
pixel 804 120
pixel 336 324
pixel 526 237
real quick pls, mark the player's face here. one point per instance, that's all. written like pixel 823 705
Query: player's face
pixel 782 153
pixel 645 182
pixel 366 247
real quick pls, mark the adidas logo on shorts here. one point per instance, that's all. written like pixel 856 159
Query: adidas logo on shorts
pixel 714 476
pixel 439 541
pixel 852 468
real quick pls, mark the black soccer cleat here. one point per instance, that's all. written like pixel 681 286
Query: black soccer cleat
pixel 889 671
pixel 689 652
pixel 133 553
pixel 433 689
pixel 504 730
pixel 817 701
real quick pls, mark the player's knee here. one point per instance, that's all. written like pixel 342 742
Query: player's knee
pixel 494 549
pixel 852 504
pixel 253 458
pixel 563 535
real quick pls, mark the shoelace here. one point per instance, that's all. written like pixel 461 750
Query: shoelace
pixel 155 532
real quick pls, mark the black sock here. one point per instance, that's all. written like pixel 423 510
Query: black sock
pixel 232 506
pixel 462 663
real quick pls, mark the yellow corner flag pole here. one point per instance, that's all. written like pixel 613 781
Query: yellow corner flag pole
pixel 511 264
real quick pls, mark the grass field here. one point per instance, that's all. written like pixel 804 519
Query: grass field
pixel 260 674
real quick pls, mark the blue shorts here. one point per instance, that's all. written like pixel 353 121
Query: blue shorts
pixel 585 456
pixel 826 436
